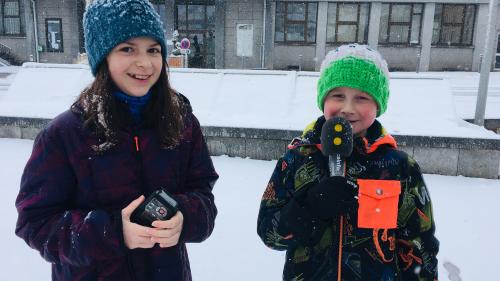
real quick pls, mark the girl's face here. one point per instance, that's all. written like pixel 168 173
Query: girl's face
pixel 357 107
pixel 135 65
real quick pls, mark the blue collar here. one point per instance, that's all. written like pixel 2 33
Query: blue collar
pixel 135 104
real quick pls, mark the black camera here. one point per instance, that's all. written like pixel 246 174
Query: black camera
pixel 158 206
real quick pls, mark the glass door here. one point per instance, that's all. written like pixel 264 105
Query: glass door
pixel 195 20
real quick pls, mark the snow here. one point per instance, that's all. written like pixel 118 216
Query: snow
pixel 464 87
pixel 420 104
pixel 465 212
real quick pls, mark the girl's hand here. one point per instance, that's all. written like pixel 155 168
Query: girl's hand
pixel 167 233
pixel 135 235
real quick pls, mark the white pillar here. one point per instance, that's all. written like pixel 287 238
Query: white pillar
pixel 427 26
pixel 374 25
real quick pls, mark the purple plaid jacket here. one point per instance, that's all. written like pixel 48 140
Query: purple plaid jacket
pixel 71 198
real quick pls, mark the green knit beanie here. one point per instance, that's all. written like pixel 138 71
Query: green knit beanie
pixel 355 66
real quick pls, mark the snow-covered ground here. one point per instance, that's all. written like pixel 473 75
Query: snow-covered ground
pixel 466 213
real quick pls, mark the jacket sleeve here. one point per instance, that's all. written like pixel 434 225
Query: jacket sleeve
pixel 277 194
pixel 197 202
pixel 284 221
pixel 47 219
pixel 417 245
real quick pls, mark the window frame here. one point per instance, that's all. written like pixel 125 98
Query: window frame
pixel 188 31
pixel 349 23
pixel 408 23
pixel 49 48
pixel 3 17
pixel 304 22
pixel 462 25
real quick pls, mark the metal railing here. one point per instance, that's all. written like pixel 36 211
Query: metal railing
pixel 4 49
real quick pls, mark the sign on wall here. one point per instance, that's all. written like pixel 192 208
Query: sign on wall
pixel 244 40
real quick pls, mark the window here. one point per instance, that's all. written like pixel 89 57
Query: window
pixel 195 19
pixel 453 25
pixel 497 57
pixel 159 6
pixel 10 17
pixel 347 22
pixel 53 28
pixel 296 22
pixel 400 24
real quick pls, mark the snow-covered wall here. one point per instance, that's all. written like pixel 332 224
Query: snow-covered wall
pixel 420 104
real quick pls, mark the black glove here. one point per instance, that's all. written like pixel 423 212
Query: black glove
pixel 296 219
pixel 330 197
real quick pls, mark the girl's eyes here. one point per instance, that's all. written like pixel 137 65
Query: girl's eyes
pixel 127 49
pixel 154 51
pixel 130 50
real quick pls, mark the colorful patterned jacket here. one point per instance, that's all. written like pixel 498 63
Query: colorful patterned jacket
pixel 71 198
pixel 407 252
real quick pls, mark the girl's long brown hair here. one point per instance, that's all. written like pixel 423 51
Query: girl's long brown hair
pixel 101 113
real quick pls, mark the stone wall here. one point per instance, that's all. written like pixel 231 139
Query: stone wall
pixel 435 155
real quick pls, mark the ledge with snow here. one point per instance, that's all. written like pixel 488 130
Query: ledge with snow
pixel 255 113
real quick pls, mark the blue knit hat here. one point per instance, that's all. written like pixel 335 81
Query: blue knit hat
pixel 107 23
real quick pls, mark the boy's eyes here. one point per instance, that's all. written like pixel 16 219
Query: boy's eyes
pixel 341 96
pixel 336 96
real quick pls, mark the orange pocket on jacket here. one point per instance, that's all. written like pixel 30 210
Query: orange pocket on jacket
pixel 378 203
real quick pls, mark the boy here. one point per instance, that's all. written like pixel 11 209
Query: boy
pixel 380 213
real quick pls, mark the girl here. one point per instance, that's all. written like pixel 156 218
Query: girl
pixel 127 135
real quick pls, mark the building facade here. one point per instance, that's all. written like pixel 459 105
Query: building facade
pixel 425 35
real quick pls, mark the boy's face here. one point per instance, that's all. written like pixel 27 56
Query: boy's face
pixel 357 107
pixel 135 65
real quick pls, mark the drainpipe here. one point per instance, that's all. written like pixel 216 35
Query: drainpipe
pixel 33 7
pixel 263 41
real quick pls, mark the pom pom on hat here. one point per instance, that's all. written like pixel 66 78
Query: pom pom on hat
pixel 355 66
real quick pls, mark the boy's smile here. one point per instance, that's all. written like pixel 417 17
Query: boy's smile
pixel 357 107
pixel 135 65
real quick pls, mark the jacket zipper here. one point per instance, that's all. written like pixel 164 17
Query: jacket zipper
pixel 137 152
pixel 339 269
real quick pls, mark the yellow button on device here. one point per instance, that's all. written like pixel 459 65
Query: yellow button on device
pixel 338 128
pixel 337 141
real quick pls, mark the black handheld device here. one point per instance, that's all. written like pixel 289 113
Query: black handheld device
pixel 158 206
pixel 336 144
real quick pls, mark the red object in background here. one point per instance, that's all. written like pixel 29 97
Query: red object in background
pixel 185 44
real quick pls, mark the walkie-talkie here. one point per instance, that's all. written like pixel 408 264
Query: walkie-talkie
pixel 158 206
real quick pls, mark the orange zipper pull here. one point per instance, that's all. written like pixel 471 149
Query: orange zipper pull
pixel 136 139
